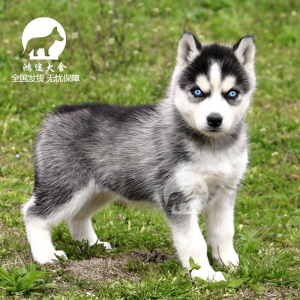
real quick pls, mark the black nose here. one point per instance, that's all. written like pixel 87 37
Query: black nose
pixel 214 120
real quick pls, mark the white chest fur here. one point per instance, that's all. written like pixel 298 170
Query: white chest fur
pixel 214 169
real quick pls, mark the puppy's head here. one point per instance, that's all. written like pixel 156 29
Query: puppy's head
pixel 212 84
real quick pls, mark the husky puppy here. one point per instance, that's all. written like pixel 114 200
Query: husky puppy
pixel 186 154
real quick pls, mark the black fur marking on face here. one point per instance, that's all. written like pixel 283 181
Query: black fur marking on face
pixel 197 99
pixel 224 56
pixel 232 101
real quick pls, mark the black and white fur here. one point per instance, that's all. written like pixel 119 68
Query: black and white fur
pixel 87 155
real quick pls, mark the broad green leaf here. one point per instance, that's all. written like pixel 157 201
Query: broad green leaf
pixel 193 265
pixel 235 283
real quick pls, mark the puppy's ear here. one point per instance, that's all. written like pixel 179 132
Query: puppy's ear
pixel 244 50
pixel 188 49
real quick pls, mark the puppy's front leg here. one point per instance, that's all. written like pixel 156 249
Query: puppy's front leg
pixel 189 242
pixel 219 218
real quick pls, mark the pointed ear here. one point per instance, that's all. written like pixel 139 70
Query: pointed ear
pixel 188 49
pixel 244 50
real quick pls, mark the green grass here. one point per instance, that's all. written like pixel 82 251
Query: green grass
pixel 23 280
pixel 125 54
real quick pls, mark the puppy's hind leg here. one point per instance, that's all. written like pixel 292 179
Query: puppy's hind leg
pixel 80 225
pixel 38 229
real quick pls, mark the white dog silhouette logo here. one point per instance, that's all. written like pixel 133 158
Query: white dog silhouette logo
pixel 43 39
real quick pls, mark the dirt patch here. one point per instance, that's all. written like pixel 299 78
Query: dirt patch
pixel 105 269
pixel 102 269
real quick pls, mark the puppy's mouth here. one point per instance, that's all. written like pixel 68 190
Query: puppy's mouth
pixel 213 132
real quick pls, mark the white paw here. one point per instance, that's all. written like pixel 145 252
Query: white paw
pixel 47 258
pixel 228 258
pixel 60 253
pixel 106 245
pixel 208 274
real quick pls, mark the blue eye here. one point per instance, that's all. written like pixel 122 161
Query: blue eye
pixel 197 93
pixel 232 94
